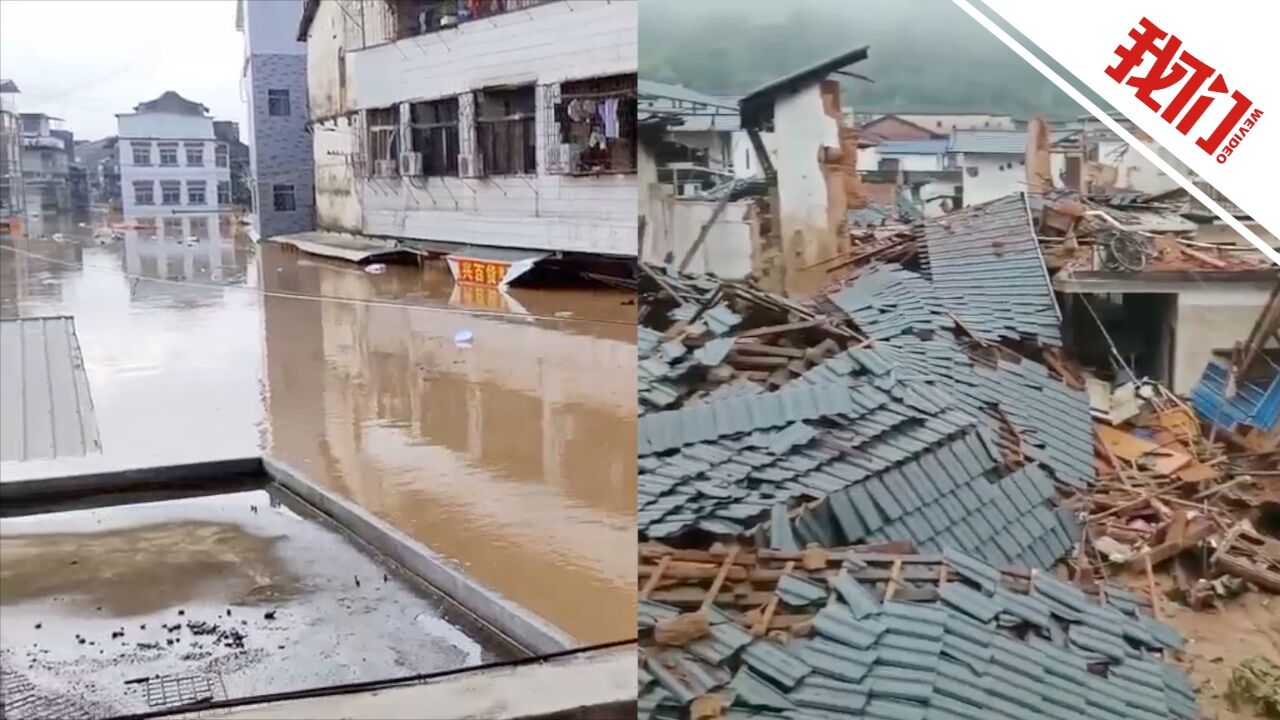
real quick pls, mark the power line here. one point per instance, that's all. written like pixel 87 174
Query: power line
pixel 329 298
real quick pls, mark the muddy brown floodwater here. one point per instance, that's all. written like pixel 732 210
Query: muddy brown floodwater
pixel 513 455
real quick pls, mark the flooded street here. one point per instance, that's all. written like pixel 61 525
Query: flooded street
pixel 513 455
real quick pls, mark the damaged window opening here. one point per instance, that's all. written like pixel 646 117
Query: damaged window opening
pixel 384 127
pixel 168 154
pixel 144 192
pixel 597 121
pixel 171 192
pixel 419 17
pixel 505 131
pixel 434 135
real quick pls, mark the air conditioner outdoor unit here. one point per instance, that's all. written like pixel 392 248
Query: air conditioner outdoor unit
pixel 410 163
pixel 470 166
pixel 384 168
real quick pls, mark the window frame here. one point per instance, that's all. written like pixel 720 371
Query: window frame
pixel 168 147
pixel 437 140
pixel 198 148
pixel 136 148
pixel 221 155
pixel 150 186
pixel 165 187
pixel 383 136
pixel 277 97
pixel 494 132
pixel 277 195
pixel 197 185
pixel 224 192
pixel 617 155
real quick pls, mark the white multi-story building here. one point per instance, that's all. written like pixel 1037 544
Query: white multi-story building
pixel 505 123
pixel 170 160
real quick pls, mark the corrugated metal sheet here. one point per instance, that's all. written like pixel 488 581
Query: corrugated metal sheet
pixel 912 147
pixel 1255 403
pixel 44 392
pixel 988 142
pixel 955 656
pixel 985 264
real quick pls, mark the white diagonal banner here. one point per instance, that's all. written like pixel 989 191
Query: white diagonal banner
pixel 1190 74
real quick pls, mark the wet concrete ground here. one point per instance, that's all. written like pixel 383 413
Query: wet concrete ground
pixel 514 457
pixel 235 592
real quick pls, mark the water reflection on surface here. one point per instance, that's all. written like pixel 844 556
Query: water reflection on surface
pixel 515 456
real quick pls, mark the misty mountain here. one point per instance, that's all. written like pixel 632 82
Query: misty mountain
pixel 926 55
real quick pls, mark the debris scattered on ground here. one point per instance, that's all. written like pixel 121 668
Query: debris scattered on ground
pixel 1255 685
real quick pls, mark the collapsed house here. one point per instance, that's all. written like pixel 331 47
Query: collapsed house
pixel 926 400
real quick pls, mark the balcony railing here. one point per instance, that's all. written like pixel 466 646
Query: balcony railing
pixel 420 17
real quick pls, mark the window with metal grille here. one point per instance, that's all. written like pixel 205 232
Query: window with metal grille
pixel 597 122
pixel 282 198
pixel 433 128
pixel 170 192
pixel 195 192
pixel 505 131
pixel 141 153
pixel 278 103
pixel 195 154
pixel 144 192
pixel 384 130
pixel 168 153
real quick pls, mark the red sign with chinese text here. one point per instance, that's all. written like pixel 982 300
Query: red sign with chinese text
pixel 481 272
pixel 1175 67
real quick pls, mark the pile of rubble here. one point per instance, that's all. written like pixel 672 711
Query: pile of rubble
pixel 1169 493
pixel 881 632
pixel 923 411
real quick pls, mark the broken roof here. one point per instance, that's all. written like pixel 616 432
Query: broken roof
pixel 853 633
pixel 8 86
pixel 756 106
pixel 695 111
pixel 984 262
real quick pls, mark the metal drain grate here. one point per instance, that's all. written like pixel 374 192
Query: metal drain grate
pixel 167 690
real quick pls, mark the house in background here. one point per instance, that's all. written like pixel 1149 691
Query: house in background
pixel 893 127
pixel 281 165
pixel 101 162
pixel 512 128
pixel 894 155
pixel 170 160
pixel 993 162
pixel 46 164
pixel 240 161
pixel 12 192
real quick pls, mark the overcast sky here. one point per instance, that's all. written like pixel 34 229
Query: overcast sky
pixel 86 60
